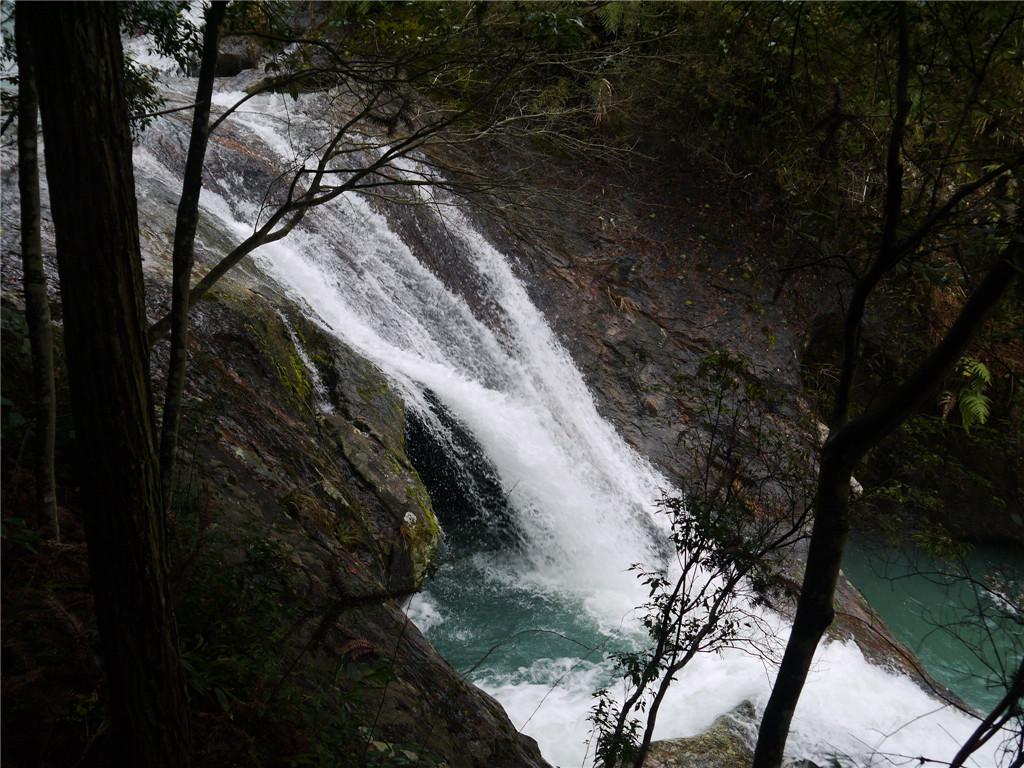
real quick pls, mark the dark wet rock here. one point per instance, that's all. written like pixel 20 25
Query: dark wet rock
pixel 465 490
pixel 230 63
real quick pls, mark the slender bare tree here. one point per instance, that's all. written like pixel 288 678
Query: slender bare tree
pixel 37 303
pixel 851 435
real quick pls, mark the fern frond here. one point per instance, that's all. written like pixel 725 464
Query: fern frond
pixel 974 407
pixel 611 16
pixel 977 374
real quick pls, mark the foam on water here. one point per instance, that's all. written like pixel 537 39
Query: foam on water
pixel 861 713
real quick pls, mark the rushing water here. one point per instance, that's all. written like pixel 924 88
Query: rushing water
pixel 535 587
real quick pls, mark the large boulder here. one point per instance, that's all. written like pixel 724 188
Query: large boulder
pixel 303 450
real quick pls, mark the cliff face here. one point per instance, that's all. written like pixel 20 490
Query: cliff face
pixel 295 463
pixel 300 443
pixel 309 446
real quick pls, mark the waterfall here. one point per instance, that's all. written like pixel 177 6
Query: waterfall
pixel 535 593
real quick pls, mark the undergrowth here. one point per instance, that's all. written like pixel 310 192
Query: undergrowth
pixel 248 616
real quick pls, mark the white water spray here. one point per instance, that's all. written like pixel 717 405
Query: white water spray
pixel 582 499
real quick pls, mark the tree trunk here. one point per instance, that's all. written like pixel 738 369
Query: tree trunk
pixel 814 612
pixel 37 304
pixel 995 720
pixel 849 440
pixel 845 446
pixel 184 244
pixel 79 67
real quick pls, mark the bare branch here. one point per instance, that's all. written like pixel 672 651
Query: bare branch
pixel 164 112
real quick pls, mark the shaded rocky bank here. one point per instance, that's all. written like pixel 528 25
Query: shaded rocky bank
pixel 336 490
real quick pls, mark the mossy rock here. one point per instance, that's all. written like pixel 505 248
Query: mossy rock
pixel 408 547
pixel 725 744
pixel 728 743
pixel 322 383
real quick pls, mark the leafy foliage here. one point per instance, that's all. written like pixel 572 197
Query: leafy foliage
pixel 797 100
pixel 172 34
pixel 972 402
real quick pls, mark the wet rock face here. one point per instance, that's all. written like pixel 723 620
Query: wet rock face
pixel 368 429
pixel 230 63
pixel 639 304
pixel 464 487
pixel 325 478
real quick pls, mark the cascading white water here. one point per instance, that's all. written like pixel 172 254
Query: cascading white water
pixel 581 499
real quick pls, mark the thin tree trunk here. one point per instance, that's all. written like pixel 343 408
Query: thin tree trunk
pixel 995 720
pixel 814 609
pixel 888 251
pixel 79 66
pixel 692 649
pixel 37 304
pixel 844 447
pixel 184 249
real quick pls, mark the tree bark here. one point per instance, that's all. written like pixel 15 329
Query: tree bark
pixel 79 65
pixel 37 303
pixel 814 611
pixel 184 249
